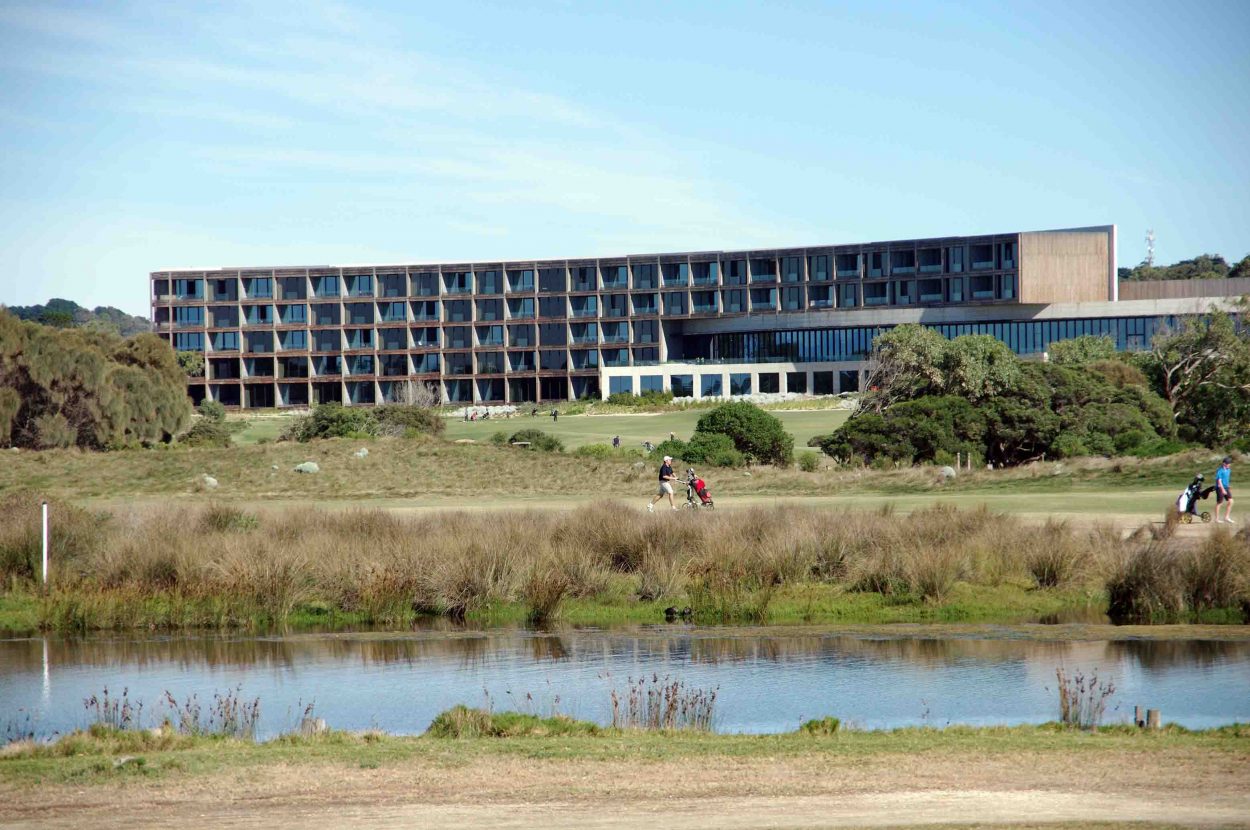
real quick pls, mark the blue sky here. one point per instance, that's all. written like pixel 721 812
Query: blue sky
pixel 138 136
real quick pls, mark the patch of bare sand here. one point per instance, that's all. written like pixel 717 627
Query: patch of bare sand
pixel 1186 787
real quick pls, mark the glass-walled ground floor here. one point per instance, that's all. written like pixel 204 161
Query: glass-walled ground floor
pixel 855 343
pixel 815 361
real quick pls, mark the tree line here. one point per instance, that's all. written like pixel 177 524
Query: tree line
pixel 1203 267
pixel 930 399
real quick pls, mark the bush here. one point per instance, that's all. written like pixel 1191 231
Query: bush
pixel 537 440
pixel 207 433
pixel 652 398
pixel 499 438
pixel 809 462
pixel 212 411
pixel 674 447
pixel 714 449
pixel 404 420
pixel 754 432
pixel 332 420
pixel 821 726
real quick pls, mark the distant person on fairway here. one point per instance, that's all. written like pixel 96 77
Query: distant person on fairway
pixel 616 442
pixel 1224 491
pixel 666 485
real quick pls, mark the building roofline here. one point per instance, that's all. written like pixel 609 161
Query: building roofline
pixel 720 253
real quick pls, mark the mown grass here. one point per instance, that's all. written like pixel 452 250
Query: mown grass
pixel 219 566
pixel 438 471
pixel 86 759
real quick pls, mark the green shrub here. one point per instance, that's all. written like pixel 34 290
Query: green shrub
pixel 499 438
pixel 402 420
pixel 651 398
pixel 606 451
pixel 754 432
pixel 714 449
pixel 821 726
pixel 809 462
pixel 207 433
pixel 1086 348
pixel 674 447
pixel 464 722
pixel 212 411
pixel 537 440
pixel 332 420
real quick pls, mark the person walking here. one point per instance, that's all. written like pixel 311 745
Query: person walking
pixel 666 485
pixel 616 442
pixel 555 415
pixel 1224 490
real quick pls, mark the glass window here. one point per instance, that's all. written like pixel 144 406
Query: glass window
pixel 552 334
pixel 620 385
pixel 522 280
pixel 955 290
pixel 425 284
pixel 847 265
pixel 225 341
pixel 616 305
pixel 770 383
pixel 490 282
pixel 490 363
pixel 710 386
pixel 848 295
pixel 552 281
pixel 458 363
pixel 490 335
pixel 646 331
pixel 651 383
pixel 791 269
pixel 457 311
pixel 675 303
pixel 393 312
pixel 490 309
pixel 796 383
pixel 615 357
pixel 644 276
pixel 876 264
pixel 675 273
pixel 189 341
pixel 1008 287
pixel 522 335
pixel 763 270
pixel 583 278
pixel 553 360
pixel 739 384
pixel 955 260
pixel 646 303
pixel 682 386
pixel 822 383
pixel 734 301
pixel 705 273
pixel 792 297
pixel 392 285
pixel 522 361
pixel 848 381
pixel 293 339
pixel 458 282
pixel 615 276
pixel 736 272
pixel 458 337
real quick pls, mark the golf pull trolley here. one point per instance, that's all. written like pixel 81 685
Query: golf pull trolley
pixel 697 494
pixel 1204 516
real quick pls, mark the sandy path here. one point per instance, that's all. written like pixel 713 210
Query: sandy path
pixel 1187 787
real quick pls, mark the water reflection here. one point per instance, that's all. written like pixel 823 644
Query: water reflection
pixel 768 680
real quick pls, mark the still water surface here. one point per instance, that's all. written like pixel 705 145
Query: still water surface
pixel 767 682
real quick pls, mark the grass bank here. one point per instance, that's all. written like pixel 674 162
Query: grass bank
pixel 220 566
pixel 436 471
pixel 103 755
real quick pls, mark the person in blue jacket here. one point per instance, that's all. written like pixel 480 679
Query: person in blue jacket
pixel 1224 491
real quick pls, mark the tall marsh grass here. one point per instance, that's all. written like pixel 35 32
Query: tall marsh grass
pixel 221 566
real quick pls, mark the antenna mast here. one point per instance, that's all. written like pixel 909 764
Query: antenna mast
pixel 1150 248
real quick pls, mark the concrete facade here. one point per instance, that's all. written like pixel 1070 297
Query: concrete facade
pixel 550 330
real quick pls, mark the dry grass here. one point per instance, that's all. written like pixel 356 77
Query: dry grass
pixel 218 565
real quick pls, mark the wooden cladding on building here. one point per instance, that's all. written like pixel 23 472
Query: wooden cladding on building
pixel 1066 266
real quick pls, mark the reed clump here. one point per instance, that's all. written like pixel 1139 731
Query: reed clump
pixel 215 565
pixel 1160 580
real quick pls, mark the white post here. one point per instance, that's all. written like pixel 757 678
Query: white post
pixel 45 543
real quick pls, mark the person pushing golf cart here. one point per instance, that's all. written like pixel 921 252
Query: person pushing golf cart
pixel 666 485
pixel 1187 501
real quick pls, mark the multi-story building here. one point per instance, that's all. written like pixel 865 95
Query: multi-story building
pixel 701 324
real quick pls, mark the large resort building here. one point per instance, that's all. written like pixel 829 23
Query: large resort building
pixel 721 323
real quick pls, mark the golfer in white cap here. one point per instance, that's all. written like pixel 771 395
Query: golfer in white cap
pixel 666 485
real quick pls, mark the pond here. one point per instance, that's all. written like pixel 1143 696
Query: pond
pixel 766 681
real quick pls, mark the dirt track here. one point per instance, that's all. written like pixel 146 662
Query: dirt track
pixel 1187 787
